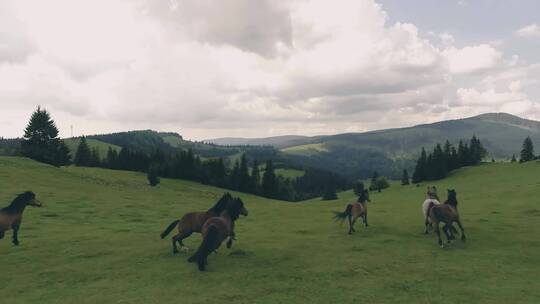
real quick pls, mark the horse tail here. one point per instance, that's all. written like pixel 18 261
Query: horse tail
pixel 341 216
pixel 207 246
pixel 169 228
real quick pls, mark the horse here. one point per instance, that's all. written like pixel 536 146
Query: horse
pixel 431 198
pixel 11 216
pixel 194 221
pixel 355 210
pixel 446 213
pixel 215 230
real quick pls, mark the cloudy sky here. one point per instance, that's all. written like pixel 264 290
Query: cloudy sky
pixel 254 68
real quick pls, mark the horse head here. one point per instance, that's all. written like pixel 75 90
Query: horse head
pixel 364 196
pixel 27 198
pixel 236 208
pixel 452 197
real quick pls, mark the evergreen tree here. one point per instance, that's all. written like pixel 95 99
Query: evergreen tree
pixel 269 185
pixel 152 175
pixel 405 178
pixel 527 151
pixel 358 188
pixel 95 159
pixel 235 176
pixel 62 155
pixel 438 163
pixel 83 156
pixel 255 177
pixel 329 194
pixel 513 158
pixel 111 160
pixel 373 184
pixel 381 183
pixel 243 175
pixel 419 173
pixel 41 140
pixel 477 151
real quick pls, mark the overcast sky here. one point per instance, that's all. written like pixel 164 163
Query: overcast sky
pixel 255 68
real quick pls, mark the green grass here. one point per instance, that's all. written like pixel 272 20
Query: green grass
pixel 308 149
pixel 289 173
pixel 102 147
pixel 96 240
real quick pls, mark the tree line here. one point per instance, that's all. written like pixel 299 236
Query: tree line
pixel 41 143
pixel 445 158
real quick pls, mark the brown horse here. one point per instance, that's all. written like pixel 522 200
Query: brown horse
pixel 354 211
pixel 446 213
pixel 215 230
pixel 194 221
pixel 11 216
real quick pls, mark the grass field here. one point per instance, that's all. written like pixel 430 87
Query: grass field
pixel 308 149
pixel 96 240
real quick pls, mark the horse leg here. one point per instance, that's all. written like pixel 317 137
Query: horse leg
pixel 15 234
pixel 350 224
pixel 178 238
pixel 438 233
pixel 354 222
pixel 232 237
pixel 426 223
pixel 365 220
pixel 462 230
pixel 448 235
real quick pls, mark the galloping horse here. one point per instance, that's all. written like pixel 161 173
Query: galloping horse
pixel 431 198
pixel 194 221
pixel 11 216
pixel 446 213
pixel 354 211
pixel 215 230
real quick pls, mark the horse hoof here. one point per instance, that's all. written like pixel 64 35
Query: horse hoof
pixel 185 249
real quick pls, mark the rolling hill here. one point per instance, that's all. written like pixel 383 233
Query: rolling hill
pixel 96 240
pixel 390 151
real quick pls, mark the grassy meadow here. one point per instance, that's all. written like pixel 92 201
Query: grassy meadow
pixel 96 240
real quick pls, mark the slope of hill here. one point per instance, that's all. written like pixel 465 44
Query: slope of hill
pixel 276 141
pixel 97 240
pixel 101 146
pixel 390 151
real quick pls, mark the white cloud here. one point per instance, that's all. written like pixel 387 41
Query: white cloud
pixel 207 68
pixel 531 30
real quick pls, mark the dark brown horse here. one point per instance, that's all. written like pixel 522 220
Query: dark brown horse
pixel 446 213
pixel 215 230
pixel 194 221
pixel 11 216
pixel 354 211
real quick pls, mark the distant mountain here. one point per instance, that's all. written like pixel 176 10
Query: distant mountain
pixel 276 141
pixel 390 151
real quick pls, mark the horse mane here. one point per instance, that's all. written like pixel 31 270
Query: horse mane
pixel 19 202
pixel 221 203
pixel 234 209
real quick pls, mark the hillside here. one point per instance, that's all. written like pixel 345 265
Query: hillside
pixel 101 146
pixel 390 151
pixel 96 240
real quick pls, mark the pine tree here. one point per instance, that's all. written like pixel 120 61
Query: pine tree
pixel 95 159
pixel 438 163
pixel 381 183
pixel 83 156
pixel 513 158
pixel 373 184
pixel 255 177
pixel 235 176
pixel 243 175
pixel 270 184
pixel 41 140
pixel 112 158
pixel 62 155
pixel 527 151
pixel 358 188
pixel 419 173
pixel 405 178
pixel 152 175
pixel 477 151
